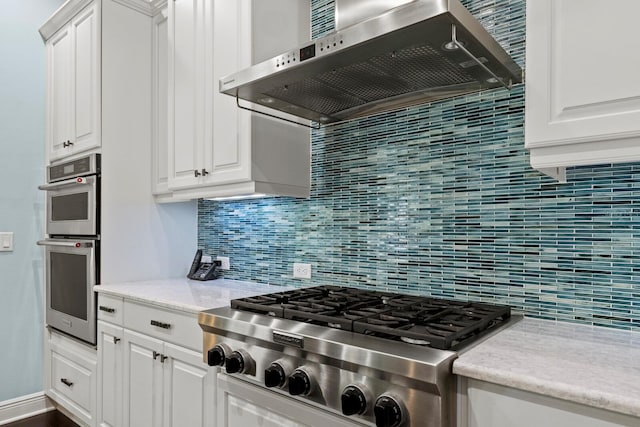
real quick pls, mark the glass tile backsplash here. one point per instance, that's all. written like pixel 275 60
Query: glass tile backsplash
pixel 440 200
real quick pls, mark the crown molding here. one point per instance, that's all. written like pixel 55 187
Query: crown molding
pixel 72 7
pixel 61 16
pixel 148 7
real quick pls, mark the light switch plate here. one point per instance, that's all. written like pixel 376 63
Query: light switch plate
pixel 6 241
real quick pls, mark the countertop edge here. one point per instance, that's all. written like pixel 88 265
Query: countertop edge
pixel 562 391
pixel 184 308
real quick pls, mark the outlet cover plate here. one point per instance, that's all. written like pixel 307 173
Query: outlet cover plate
pixel 301 271
pixel 225 263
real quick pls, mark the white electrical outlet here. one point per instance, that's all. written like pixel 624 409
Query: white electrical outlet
pixel 225 263
pixel 301 271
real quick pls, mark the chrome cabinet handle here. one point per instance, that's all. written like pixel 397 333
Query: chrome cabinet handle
pixel 107 309
pixel 66 382
pixel 160 324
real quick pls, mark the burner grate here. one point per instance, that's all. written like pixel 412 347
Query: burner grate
pixel 439 323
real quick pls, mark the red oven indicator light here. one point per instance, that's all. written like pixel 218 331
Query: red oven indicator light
pixel 78 245
pixel 80 180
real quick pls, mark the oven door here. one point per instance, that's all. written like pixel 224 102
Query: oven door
pixel 70 276
pixel 72 207
pixel 243 404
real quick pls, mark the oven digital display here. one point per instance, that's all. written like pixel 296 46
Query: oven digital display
pixel 307 52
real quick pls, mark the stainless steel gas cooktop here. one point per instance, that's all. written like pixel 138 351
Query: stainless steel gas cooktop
pixel 373 358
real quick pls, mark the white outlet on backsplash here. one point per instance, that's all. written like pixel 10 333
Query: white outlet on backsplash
pixel 301 271
pixel 225 264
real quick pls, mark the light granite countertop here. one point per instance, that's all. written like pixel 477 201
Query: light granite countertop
pixel 186 295
pixel 594 366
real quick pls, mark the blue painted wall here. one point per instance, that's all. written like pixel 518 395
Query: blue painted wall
pixel 22 115
pixel 440 200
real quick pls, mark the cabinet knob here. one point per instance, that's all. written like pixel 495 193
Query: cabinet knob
pixel 155 355
pixel 116 340
pixel 204 172
pixel 67 144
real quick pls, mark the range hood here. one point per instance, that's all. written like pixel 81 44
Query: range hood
pixel 384 55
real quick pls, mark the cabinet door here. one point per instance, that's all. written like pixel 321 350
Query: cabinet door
pixel 491 405
pixel 86 80
pixel 160 103
pixel 142 380
pixel 110 358
pixel 582 85
pixel 246 405
pixel 59 92
pixel 189 389
pixel 186 41
pixel 227 149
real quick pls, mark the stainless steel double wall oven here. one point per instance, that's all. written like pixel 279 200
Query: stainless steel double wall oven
pixel 72 246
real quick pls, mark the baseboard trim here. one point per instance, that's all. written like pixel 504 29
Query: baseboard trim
pixel 24 407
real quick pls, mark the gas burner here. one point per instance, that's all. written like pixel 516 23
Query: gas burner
pixel 414 341
pixel 439 323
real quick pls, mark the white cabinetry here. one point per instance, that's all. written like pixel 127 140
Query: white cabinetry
pixel 152 375
pixel 491 405
pixel 73 85
pixel 160 106
pixel 71 377
pixel 582 90
pixel 216 149
pixel 242 404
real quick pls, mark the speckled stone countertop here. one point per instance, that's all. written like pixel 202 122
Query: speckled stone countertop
pixel 186 295
pixel 595 366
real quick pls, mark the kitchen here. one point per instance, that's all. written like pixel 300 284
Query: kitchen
pixel 438 199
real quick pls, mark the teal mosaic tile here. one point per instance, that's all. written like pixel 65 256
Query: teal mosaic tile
pixel 440 200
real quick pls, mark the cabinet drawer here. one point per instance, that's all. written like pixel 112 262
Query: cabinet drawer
pixel 72 381
pixel 171 326
pixel 110 309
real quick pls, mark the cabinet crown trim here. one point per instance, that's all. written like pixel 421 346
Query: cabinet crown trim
pixel 61 16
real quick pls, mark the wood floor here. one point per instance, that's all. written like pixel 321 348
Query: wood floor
pixel 48 419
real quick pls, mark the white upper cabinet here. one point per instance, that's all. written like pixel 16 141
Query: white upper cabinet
pixel 582 88
pixel 73 86
pixel 160 103
pixel 215 148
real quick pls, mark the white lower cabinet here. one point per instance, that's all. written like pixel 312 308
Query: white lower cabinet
pixel 491 405
pixel 71 377
pixel 242 404
pixel 145 380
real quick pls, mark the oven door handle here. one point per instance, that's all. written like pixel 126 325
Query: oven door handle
pixel 70 244
pixel 67 183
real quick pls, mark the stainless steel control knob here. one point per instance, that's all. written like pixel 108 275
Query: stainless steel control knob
pixel 300 383
pixel 217 355
pixel 389 411
pixel 354 400
pixel 239 362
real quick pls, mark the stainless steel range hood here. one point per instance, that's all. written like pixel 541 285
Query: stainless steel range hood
pixel 409 52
